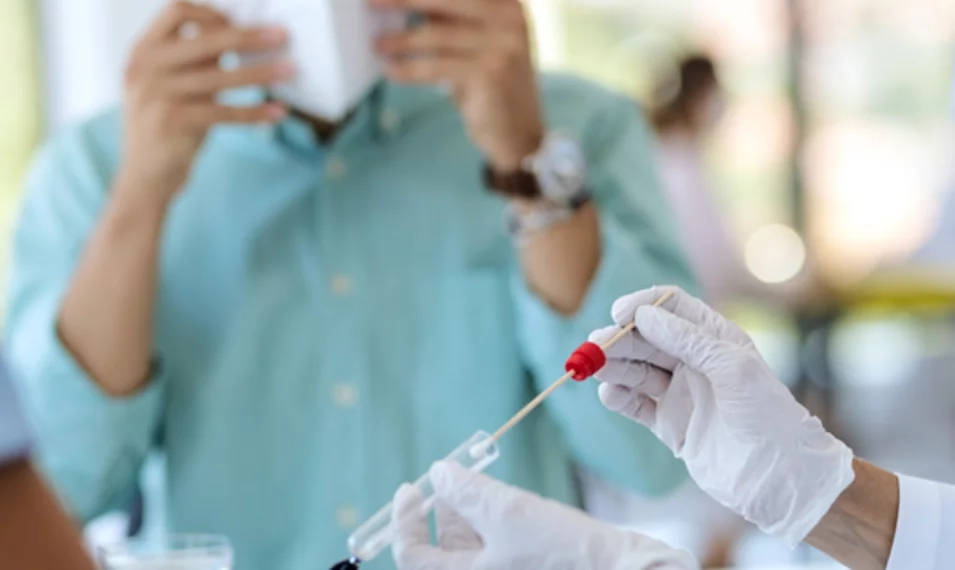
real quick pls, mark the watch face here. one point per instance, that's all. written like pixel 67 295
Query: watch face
pixel 561 169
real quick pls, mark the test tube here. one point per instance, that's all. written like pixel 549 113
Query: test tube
pixel 377 533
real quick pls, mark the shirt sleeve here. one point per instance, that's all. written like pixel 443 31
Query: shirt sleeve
pixel 15 435
pixel 89 445
pixel 925 528
pixel 640 249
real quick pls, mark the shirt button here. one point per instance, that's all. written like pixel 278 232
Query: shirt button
pixel 345 395
pixel 335 167
pixel 347 517
pixel 341 285
pixel 389 120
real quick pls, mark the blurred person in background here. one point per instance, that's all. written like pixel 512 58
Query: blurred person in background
pixel 303 314
pixel 691 109
pixel 684 124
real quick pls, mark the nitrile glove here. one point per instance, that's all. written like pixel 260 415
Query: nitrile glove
pixel 484 524
pixel 698 382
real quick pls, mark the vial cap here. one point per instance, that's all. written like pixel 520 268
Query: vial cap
pixel 585 361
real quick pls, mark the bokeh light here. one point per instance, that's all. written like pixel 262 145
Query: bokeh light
pixel 775 253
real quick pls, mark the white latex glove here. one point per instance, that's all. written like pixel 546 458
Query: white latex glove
pixel 484 524
pixel 697 381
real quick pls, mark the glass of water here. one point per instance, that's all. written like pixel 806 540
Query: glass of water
pixel 177 552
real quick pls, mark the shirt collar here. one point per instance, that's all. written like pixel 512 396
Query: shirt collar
pixel 383 113
pixel 404 104
pixel 296 134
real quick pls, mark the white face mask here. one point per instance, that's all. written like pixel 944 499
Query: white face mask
pixel 331 45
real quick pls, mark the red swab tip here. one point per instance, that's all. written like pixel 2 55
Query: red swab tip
pixel 585 361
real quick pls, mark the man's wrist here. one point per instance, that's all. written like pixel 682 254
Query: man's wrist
pixel 512 160
pixel 517 185
pixel 550 180
pixel 520 205
pixel 139 197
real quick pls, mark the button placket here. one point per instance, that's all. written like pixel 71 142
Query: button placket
pixel 335 167
pixel 345 396
pixel 341 284
pixel 389 120
pixel 347 517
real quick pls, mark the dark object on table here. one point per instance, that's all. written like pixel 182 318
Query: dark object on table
pixel 350 564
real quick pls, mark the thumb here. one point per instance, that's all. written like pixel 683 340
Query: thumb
pixel 675 336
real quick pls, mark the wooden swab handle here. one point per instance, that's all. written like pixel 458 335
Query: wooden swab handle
pixel 532 405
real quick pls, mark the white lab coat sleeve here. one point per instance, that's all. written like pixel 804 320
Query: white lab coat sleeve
pixel 15 434
pixel 925 530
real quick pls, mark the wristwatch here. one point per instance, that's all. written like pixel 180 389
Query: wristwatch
pixel 553 179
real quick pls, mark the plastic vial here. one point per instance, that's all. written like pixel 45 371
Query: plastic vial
pixel 178 552
pixel 377 533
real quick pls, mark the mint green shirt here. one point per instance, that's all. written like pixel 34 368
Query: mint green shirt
pixel 332 319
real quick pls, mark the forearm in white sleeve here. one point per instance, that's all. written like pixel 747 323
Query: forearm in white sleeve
pixel 925 530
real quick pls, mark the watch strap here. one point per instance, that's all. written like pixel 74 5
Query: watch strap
pixel 516 184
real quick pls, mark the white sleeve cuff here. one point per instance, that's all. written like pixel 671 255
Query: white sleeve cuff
pixel 917 530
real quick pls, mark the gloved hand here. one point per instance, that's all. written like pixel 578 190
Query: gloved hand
pixel 484 524
pixel 697 381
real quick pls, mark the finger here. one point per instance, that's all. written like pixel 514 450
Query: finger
pixel 679 303
pixel 676 414
pixel 178 14
pixel 624 309
pixel 411 522
pixel 682 305
pixel 657 554
pixel 209 47
pixel 629 403
pixel 427 557
pixel 435 37
pixel 469 10
pixel 639 376
pixel 480 500
pixel 631 347
pixel 429 69
pixel 680 338
pixel 208 82
pixel 454 533
pixel 411 548
pixel 207 115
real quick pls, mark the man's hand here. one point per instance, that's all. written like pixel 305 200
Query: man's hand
pixel 697 381
pixel 173 78
pixel 481 49
pixel 484 524
pixel 171 85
